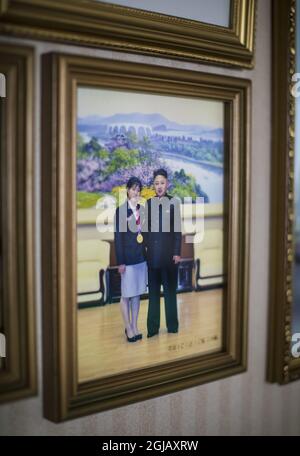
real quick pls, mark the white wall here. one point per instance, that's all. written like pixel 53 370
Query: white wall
pixel 243 404
pixel 213 12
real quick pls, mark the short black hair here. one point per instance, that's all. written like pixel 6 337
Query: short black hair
pixel 160 172
pixel 134 182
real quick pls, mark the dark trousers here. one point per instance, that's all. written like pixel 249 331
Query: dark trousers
pixel 167 276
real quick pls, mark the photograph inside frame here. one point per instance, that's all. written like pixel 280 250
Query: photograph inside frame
pixel 148 297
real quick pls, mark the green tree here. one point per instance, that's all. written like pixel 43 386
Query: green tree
pixel 80 145
pixel 182 191
pixel 92 146
pixel 122 158
pixel 146 149
pixel 102 153
pixel 132 137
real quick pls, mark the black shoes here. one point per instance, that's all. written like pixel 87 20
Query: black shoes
pixel 130 339
pixel 151 334
pixel 134 338
pixel 154 333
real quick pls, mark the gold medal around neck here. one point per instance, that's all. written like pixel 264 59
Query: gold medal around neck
pixel 139 238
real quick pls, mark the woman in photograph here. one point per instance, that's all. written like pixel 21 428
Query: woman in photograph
pixel 131 259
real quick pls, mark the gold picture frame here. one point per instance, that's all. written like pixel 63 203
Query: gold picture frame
pixel 64 396
pixel 97 24
pixel 282 367
pixel 17 298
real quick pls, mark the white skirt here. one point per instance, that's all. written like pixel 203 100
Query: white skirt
pixel 134 280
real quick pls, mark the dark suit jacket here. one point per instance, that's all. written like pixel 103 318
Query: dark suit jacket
pixel 162 245
pixel 128 250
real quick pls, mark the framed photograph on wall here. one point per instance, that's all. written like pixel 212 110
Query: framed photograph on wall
pixel 220 32
pixel 17 278
pixel 284 329
pixel 104 122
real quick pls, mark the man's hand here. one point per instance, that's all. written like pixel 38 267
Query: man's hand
pixel 176 259
pixel 122 268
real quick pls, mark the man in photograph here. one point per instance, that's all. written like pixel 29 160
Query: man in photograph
pixel 163 242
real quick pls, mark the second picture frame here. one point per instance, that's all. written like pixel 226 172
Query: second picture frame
pixel 105 121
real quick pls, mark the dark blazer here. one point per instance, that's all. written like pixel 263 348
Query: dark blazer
pixel 162 246
pixel 128 250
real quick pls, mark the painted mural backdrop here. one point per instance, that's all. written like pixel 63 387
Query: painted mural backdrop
pixel 119 135
pixel 127 134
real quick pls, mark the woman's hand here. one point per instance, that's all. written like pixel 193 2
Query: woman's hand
pixel 122 268
pixel 176 259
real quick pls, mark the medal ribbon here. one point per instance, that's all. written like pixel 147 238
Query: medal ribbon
pixel 138 221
